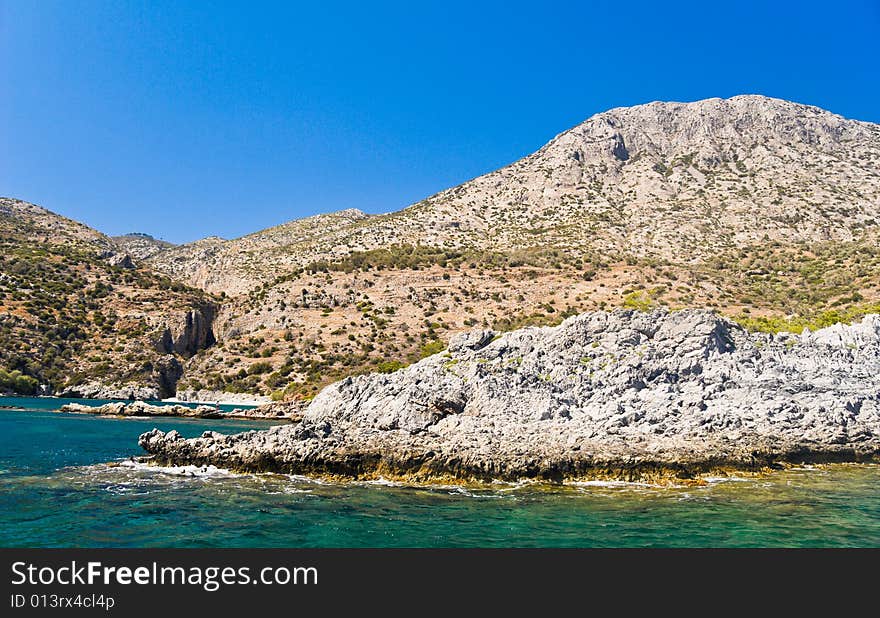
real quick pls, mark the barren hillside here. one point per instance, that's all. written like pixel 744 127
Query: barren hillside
pixel 765 210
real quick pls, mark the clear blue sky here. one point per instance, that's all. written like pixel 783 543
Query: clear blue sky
pixel 185 119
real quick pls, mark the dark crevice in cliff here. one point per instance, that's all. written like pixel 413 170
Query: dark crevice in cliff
pixel 193 332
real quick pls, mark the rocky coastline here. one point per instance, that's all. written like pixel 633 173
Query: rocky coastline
pixel 96 390
pixel 210 397
pixel 142 409
pixel 625 395
pixel 146 392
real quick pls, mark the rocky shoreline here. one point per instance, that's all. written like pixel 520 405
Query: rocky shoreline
pixel 626 395
pixel 208 397
pixel 96 390
pixel 145 392
pixel 142 409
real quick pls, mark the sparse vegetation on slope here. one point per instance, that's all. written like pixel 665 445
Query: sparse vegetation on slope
pixel 764 210
pixel 69 315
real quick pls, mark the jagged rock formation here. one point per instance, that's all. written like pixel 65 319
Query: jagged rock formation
pixel 189 332
pixel 139 408
pixel 119 260
pixel 625 394
pixel 91 389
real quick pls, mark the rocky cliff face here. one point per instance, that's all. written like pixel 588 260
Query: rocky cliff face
pixel 189 331
pixel 626 394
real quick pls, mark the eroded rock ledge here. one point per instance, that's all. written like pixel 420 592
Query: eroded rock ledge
pixel 624 395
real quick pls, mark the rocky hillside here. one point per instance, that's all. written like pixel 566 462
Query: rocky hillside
pixel 673 181
pixel 140 246
pixel 79 316
pixel 236 266
pixel 766 210
pixel 625 394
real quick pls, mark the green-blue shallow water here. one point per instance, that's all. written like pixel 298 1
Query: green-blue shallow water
pixel 65 480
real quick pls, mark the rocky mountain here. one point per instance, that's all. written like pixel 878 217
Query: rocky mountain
pixel 675 181
pixel 764 210
pixel 236 266
pixel 21 218
pixel 625 394
pixel 140 246
pixel 79 316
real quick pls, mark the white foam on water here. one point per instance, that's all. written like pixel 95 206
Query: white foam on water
pixel 299 478
pixel 382 482
pixel 725 479
pixel 499 485
pixel 127 489
pixel 289 491
pixel 464 491
pixel 618 484
pixel 189 470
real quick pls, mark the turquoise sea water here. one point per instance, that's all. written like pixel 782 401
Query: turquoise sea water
pixel 66 480
pixel 54 403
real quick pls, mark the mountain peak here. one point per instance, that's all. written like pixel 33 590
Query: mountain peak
pixel 740 121
pixel 141 246
pixel 669 180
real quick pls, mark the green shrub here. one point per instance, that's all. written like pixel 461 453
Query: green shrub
pixel 390 366
pixel 18 383
pixel 259 368
pixel 431 348
pixel 640 301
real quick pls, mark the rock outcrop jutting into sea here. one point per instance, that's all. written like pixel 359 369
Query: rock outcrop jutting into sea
pixel 141 409
pixel 623 394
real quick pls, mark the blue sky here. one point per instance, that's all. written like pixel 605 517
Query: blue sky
pixel 185 120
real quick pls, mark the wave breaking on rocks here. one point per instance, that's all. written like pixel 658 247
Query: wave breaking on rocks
pixel 625 395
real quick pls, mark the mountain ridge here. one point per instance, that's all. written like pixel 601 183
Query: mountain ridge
pixel 538 199
pixel 140 246
pixel 765 210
